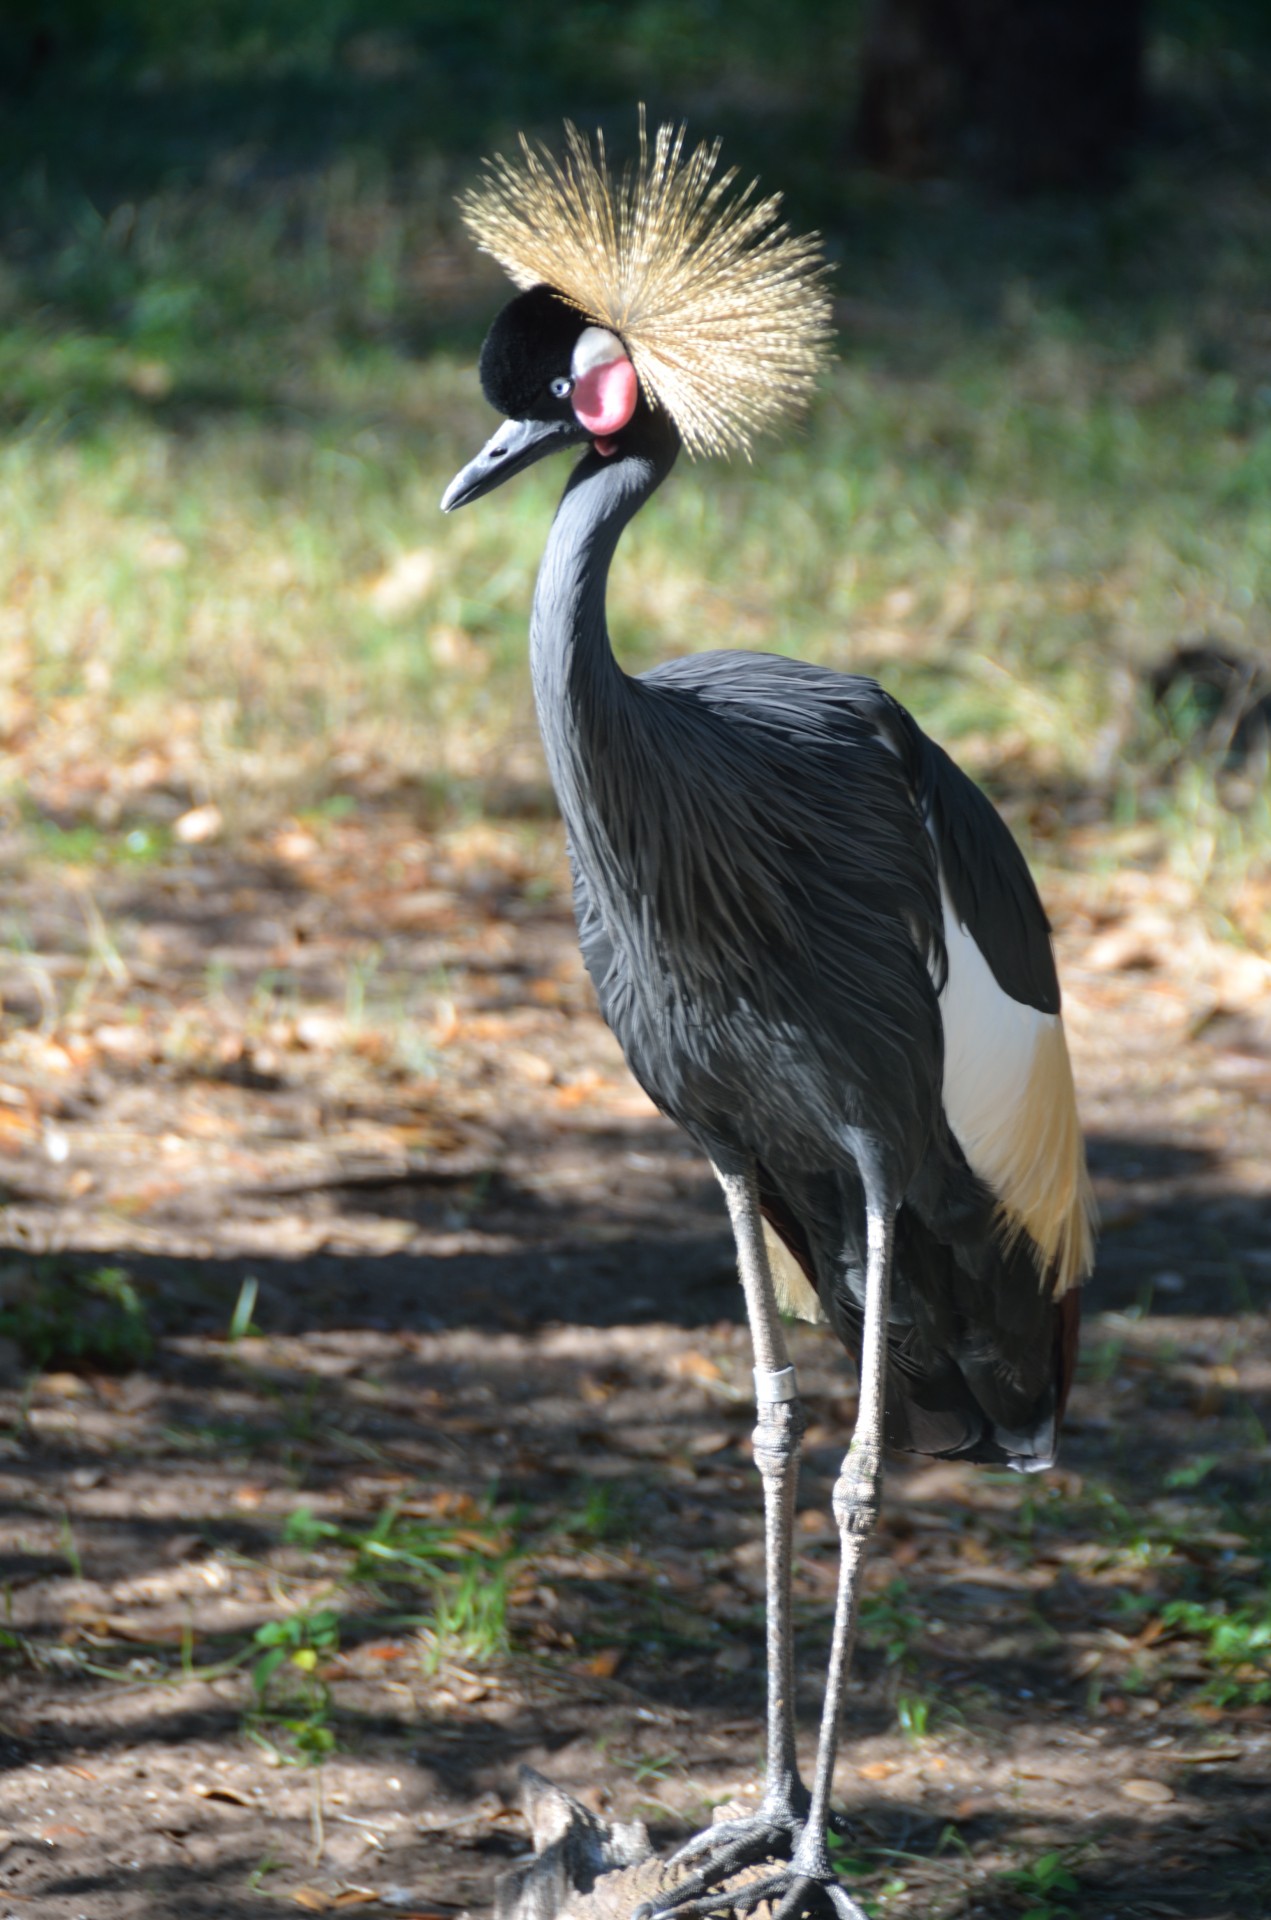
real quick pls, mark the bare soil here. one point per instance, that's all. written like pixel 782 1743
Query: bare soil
pixel 495 1294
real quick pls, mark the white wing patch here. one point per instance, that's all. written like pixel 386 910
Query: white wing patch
pixel 989 1043
pixel 1010 1101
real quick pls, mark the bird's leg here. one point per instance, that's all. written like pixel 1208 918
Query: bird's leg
pixel 807 1881
pixel 856 1499
pixel 777 1823
pixel 777 1439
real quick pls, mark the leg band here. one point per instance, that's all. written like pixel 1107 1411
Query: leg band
pixel 771 1389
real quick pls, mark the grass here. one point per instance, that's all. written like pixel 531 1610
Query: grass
pixel 1046 1885
pixel 62 1317
pixel 237 380
pixel 464 1566
pixel 889 1624
pixel 1235 1643
pixel 292 1698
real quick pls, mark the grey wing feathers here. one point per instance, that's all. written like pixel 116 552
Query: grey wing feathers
pixel 987 876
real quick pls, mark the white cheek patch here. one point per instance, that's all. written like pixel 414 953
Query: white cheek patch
pixel 595 347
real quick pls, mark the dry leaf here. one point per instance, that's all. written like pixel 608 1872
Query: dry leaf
pixel 530 1066
pixel 454 652
pixel 1153 1793
pixel 229 1794
pixel 695 1366
pixel 321 1032
pixel 15 1128
pixel 1141 944
pixel 403 585
pixel 63 1386
pixel 122 1042
pixel 734 1659
pixel 147 1196
pixel 603 1665
pixel 199 826
pixel 578 1092
pixel 548 993
pixel 295 844
pixel 447 1025
pixel 491 1545
pixel 448 1504
pixel 144 1633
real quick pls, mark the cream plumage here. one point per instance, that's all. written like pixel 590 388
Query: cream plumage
pixel 722 309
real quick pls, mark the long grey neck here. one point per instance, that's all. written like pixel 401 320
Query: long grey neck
pixel 583 698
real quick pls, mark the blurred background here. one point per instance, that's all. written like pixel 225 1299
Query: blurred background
pixel 373 1407
pixel 239 327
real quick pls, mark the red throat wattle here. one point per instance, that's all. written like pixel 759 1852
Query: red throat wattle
pixel 605 399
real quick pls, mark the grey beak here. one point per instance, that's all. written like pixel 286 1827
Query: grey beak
pixel 516 445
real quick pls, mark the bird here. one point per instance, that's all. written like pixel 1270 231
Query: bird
pixel 815 939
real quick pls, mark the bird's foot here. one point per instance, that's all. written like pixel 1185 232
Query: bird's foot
pixel 761 1859
pixel 787 1893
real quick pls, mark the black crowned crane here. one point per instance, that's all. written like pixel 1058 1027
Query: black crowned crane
pixel 818 945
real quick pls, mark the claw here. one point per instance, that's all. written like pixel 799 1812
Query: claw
pixel 791 1896
pixel 840 1899
pixel 746 1849
pixel 762 1843
pixel 734 1844
pixel 738 1900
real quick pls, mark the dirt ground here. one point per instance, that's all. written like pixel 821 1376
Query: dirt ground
pixel 495 1314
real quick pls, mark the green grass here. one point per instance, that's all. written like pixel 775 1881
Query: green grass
pixel 463 1568
pixel 291 1712
pixel 1235 1644
pixel 236 361
pixel 1182 1575
pixel 61 1317
pixel 890 1625
pixel 1046 1885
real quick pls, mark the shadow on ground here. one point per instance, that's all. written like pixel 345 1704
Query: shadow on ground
pixel 572 1421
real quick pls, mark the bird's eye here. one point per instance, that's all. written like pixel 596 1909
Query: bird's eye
pixel 562 388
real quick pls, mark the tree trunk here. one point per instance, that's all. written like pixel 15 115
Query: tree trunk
pixel 1036 93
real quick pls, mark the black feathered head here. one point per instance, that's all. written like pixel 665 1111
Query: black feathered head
pixel 722 310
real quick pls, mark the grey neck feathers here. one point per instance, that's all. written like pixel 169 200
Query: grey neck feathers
pixel 588 710
pixel 666 822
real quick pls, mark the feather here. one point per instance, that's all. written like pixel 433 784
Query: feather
pixel 722 309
